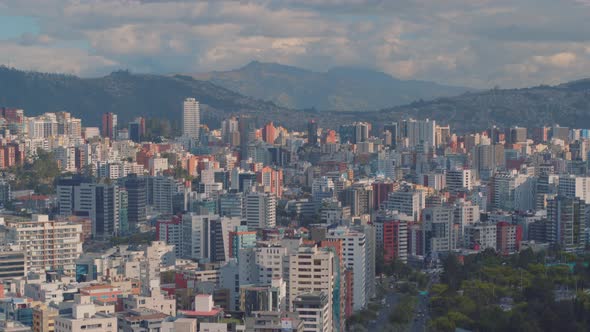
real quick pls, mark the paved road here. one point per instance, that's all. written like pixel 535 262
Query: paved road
pixel 420 323
pixel 421 318
pixel 391 300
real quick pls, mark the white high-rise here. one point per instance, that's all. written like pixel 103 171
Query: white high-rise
pixel 191 118
pixel 260 210
pixel 354 257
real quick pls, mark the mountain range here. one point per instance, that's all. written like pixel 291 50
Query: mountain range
pixel 159 96
pixel 127 94
pixel 566 104
pixel 338 89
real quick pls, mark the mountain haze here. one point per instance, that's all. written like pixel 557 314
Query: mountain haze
pixel 339 89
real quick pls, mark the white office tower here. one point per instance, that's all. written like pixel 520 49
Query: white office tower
pixel 421 132
pixel 459 180
pixel 260 210
pixel 191 118
pixel 386 163
pixel 438 223
pixel 354 257
pixel 480 235
pixel 206 237
pixel 513 192
pixel 409 202
pixel 269 260
pixel 311 270
pixel 159 256
pixel 314 309
pixel 465 214
pixel 575 186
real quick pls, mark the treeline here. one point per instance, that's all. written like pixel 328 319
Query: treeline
pixel 523 292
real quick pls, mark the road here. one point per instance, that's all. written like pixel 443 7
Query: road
pixel 391 300
pixel 421 316
pixel 420 323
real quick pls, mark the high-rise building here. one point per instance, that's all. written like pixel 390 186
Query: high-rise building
pixel 480 236
pixel 409 202
pixel 105 209
pixel 271 180
pixel 322 188
pixel 247 131
pixel 312 132
pixel 241 238
pixel 49 245
pixel 170 231
pixel 360 199
pixel 568 219
pixel 355 133
pixel 508 237
pixel 465 214
pixel 513 192
pixel 230 131
pixel 69 200
pixel 260 210
pixel 13 262
pixel 394 239
pixel 561 133
pixel 191 118
pixel 393 129
pixel 231 204
pixel 438 224
pixel 269 133
pixel 575 186
pixel 136 200
pixel 163 190
pixel 459 180
pixel 207 236
pixel 123 213
pixel 420 132
pixel 381 191
pixel 311 269
pixel 354 258
pixel 314 309
pixel 487 159
pixel 109 125
pixel 540 134
pixel 516 135
pixel 134 130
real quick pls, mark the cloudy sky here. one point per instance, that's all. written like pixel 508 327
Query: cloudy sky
pixel 478 43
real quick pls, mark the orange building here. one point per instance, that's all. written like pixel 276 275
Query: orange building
pixel 329 137
pixel 271 179
pixel 269 133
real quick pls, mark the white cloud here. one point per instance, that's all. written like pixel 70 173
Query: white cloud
pixel 62 60
pixel 470 42
pixel 561 60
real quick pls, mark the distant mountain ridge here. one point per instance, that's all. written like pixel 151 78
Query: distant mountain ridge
pixel 124 93
pixel 157 96
pixel 339 89
pixel 566 104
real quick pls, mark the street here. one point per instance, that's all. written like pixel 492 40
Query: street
pixel 420 322
pixel 391 300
